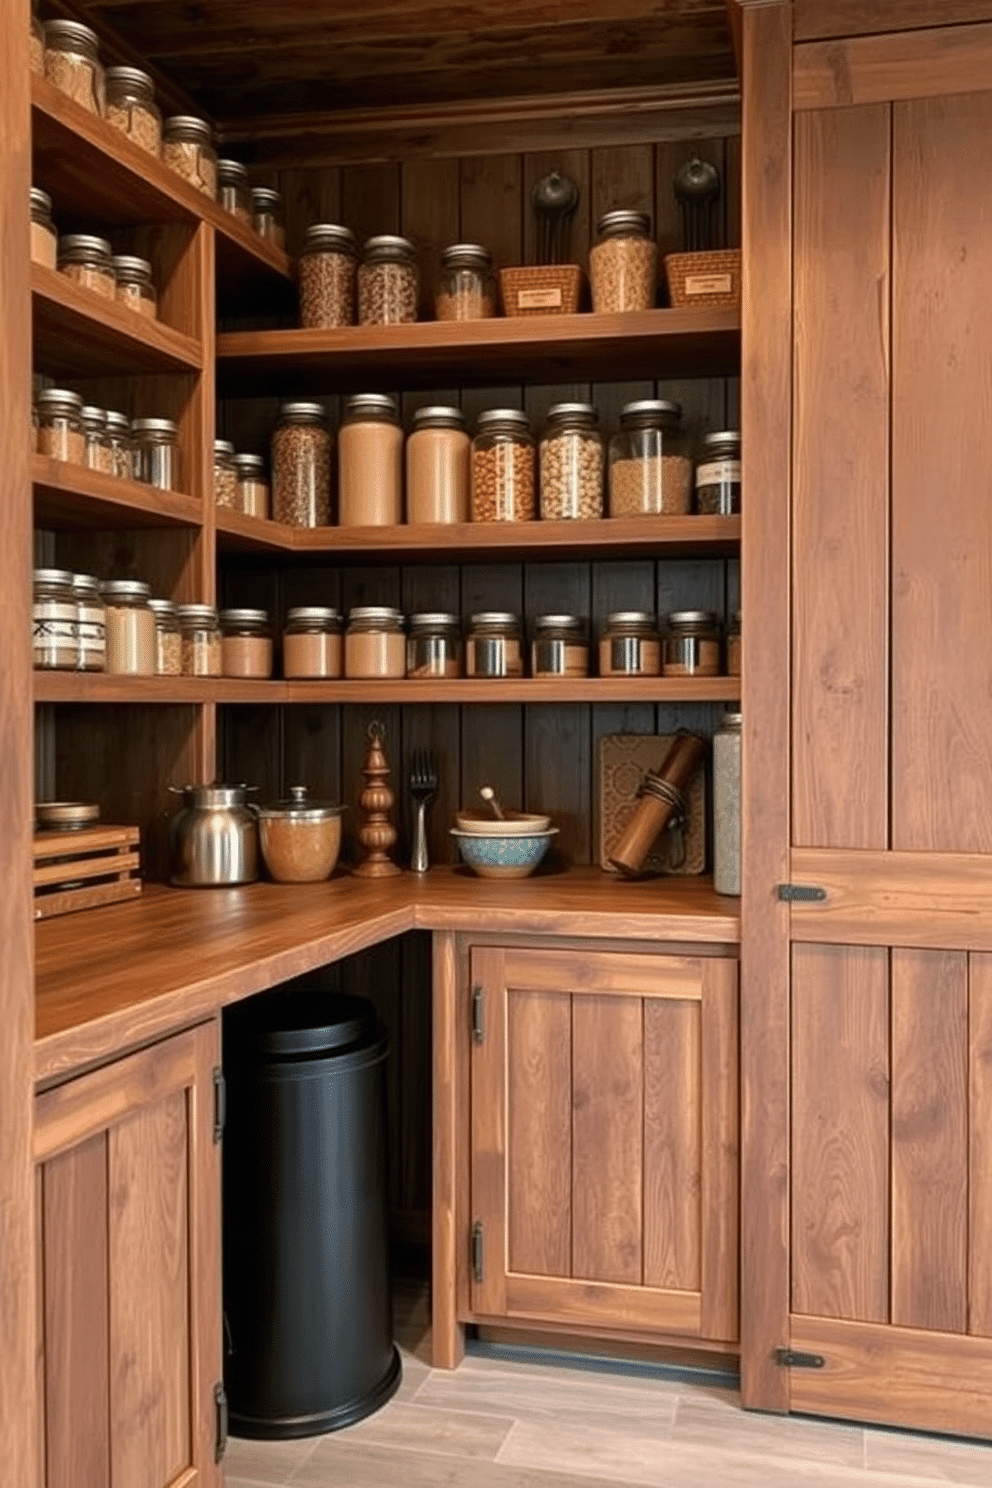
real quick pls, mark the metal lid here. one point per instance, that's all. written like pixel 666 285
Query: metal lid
pixel 495 617
pixel 611 224
pixel 371 613
pixel 232 173
pixel 244 617
pixel 71 33
pixel 722 441
pixel 558 622
pixel 94 418
pixel 197 615
pixel 188 127
pixel 431 620
pixel 630 617
pixel 40 201
pixel 59 400
pixel 161 428
pixel 379 404
pixel 211 796
pixel 298 807
pixel 86 583
pixel 568 411
pixel 303 413
pixel 265 198
pixel 130 78
pixel 164 609
pixel 125 589
pixel 467 256
pixel 249 464
pixel 437 418
pixel 503 418
pixel 693 617
pixel 73 246
pixel 224 448
pixel 388 246
pixel 313 615
pixel 646 408
pixel 117 423
pixel 313 1023
pixel 732 719
pixel 65 816
pixel 329 237
pixel 53 576
pixel 131 269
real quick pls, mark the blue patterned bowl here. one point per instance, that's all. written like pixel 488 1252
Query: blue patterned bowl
pixel 503 857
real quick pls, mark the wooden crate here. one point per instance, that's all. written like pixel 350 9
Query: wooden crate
pixel 100 863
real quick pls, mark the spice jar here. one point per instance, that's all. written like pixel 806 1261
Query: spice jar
pixel 502 467
pixel 692 644
pixel 327 276
pixel 267 218
pixel 370 463
pixel 99 455
pixel 119 443
pixel 91 624
pixel 200 640
pixel 72 63
pixel 53 622
pixel 132 649
pixel 36 43
pixel 246 643
pixel 629 645
pixel 650 468
pixel 44 238
pixel 154 452
pixel 232 190
pixel 60 428
pixel 718 474
pixel 494 647
pixel 734 645
pixel 434 646
pixel 437 466
pixel 131 107
pixel 225 475
pixel 727 805
pixel 466 289
pixel 374 645
pixel 311 642
pixel 571 457
pixel 188 149
pixel 558 647
pixel 301 466
pixel 387 282
pixel 253 488
pixel 134 284
pixel 623 263
pixel 88 262
pixel 168 641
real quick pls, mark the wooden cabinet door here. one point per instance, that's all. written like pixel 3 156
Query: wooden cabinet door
pixel 128 1193
pixel 604 1140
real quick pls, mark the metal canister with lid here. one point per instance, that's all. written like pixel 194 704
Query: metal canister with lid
pixel 434 645
pixel 558 647
pixel 727 753
pixel 718 474
pixel 494 647
pixel 623 263
pixel 629 645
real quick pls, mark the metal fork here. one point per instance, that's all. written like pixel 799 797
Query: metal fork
pixel 423 788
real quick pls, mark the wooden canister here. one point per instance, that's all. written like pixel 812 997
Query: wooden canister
pixel 660 796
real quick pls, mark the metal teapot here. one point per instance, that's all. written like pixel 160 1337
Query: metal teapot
pixel 213 839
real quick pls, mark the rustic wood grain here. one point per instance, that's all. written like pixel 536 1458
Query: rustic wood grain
pixel 489 1130
pixel 448 1100
pixel 539 1132
pixel 822 18
pixel 979 1135
pixel 918 64
pixel 672 1145
pixel 720 1120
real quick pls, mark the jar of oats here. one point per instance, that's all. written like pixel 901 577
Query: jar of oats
pixel 629 645
pixel 437 466
pixel 98 455
pixel 502 467
pixel 692 644
pixel 119 441
pixel 91 623
pixel 88 261
pixel 734 645
pixel 225 475
pixel 434 646
pixel 267 215
pixel 571 462
pixel 311 642
pixel 466 289
pixel 370 462
pixel 253 487
pixel 200 640
pixel 650 467
pixel 44 238
pixel 301 466
pixel 327 277
pixel 131 107
pixel 168 640
pixel 388 282
pixel 53 625
pixel 132 650
pixel 188 149
pixel 374 644
pixel 60 426
pixel 232 190
pixel 155 452
pixel 718 474
pixel 246 643
pixel 494 647
pixel 36 42
pixel 72 63
pixel 134 284
pixel 558 647
pixel 623 263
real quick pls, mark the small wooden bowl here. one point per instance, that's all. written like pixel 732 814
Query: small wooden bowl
pixel 517 823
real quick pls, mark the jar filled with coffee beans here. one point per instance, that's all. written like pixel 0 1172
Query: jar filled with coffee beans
pixel 99 455
pixel 188 149
pixel 155 452
pixel 388 283
pixel 254 496
pixel 232 190
pixel 91 623
pixel 718 474
pixel 558 647
pixel 225 475
pixel 466 289
pixel 571 462
pixel 134 286
pixel 53 626
pixel 502 467
pixel 650 467
pixel 132 109
pixel 301 466
pixel 327 277
pixel 60 426
pixel 72 63
pixel 630 645
pixel 267 215
pixel 494 647
pixel 88 262
pixel 692 644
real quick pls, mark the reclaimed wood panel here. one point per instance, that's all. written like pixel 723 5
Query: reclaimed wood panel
pixel 720 1189
pixel 449 1106
pixel 539 1132
pixel 489 1130
pixel 980 1145
pixel 822 18
pixel 672 1145
pixel 934 63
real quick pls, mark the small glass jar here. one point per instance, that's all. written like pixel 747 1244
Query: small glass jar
pixel 232 190
pixel 718 474
pixel 466 289
pixel 253 496
pixel 119 442
pixel 630 645
pixel 437 466
pixel 155 452
pixel 88 262
pixel 571 463
pixel 374 644
pixel 558 647
pixel 327 277
pixel 132 650
pixel 494 647
pixel 91 623
pixel 388 283
pixel 168 639
pixel 623 263
pixel 434 646
pixel 502 467
pixel 36 43
pixel 135 288
pixel 44 238
pixel 99 455
pixel 301 466
pixel 734 645
pixel 188 149
pixel 225 475
pixel 200 640
pixel 54 620
pixel 72 63
pixel 650 468
pixel 246 643
pixel 60 426
pixel 267 215
pixel 132 109
pixel 692 644
pixel 370 462
pixel 311 642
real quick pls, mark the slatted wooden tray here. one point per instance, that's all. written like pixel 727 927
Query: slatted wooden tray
pixel 79 870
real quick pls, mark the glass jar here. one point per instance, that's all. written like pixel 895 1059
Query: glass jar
pixel 225 475
pixel 630 645
pixel 91 623
pixel 388 282
pixel 134 284
pixel 301 466
pixel 60 427
pixel 267 217
pixel 370 463
pixel 650 468
pixel 168 640
pixel 311 642
pixel 623 263
pixel 734 645
pixel 200 640
pixel 72 63
pixel 727 753
pixel 437 466
pixel 36 43
pixel 253 489
pixel 53 623
pixel 571 462
pixel 558 647
pixel 246 643
pixel 374 645
pixel 434 646
pixel 132 109
pixel 99 455
pixel 692 644
pixel 232 190
pixel 119 443
pixel 466 289
pixel 188 149
pixel 502 467
pixel 88 262
pixel 327 276
pixel 132 649
pixel 155 453
pixel 494 647
pixel 44 238
pixel 718 474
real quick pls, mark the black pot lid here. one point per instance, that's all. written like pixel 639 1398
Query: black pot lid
pixel 305 1022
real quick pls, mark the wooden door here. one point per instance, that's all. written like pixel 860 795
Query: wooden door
pixel 128 1194
pixel 604 1140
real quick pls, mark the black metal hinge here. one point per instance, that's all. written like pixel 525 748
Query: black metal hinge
pixel 220 1406
pixel 800 893
pixel 791 1359
pixel 220 1103
pixel 478 1015
pixel 478 1254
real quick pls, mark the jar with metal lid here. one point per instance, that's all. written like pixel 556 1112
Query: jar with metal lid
pixel 692 644
pixel 44 238
pixel 155 452
pixel 60 426
pixel 135 288
pixel 374 644
pixel 466 288
pixel 131 107
pixel 232 190
pixel 370 462
pixel 36 42
pixel 132 648
pixel 434 646
pixel 267 215
pixel 734 645
pixel 301 466
pixel 188 149
pixel 168 640
pixel 200 640
pixel 246 643
pixel 253 488
pixel 571 463
pixel 558 647
pixel 91 623
pixel 54 619
pixel 72 63
pixel 311 642
pixel 630 645
pixel 388 282
pixel 623 263
pixel 89 262
pixel 494 647
pixel 300 839
pixel 225 475
pixel 327 276
pixel 718 474
pixel 727 754
pixel 99 455
pixel 119 443
pixel 502 467
pixel 650 467
pixel 437 466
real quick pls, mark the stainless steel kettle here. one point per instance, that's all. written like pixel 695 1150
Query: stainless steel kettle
pixel 213 839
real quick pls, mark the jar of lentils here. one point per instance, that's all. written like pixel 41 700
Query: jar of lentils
pixel 437 466
pixel 301 466
pixel 155 452
pixel 494 647
pixel 434 646
pixel 388 282
pixel 119 442
pixel 225 475
pixel 311 642
pixel 502 467
pixel 88 262
pixel 623 263
pixel 72 63
pixel 253 487
pixel 267 217
pixel 91 623
pixel 327 277
pixel 60 426
pixel 630 645
pixel 132 648
pixel 44 238
pixel 134 287
pixel 232 190
pixel 99 455
pixel 370 462
pixel 131 107
pixel 558 647
pixel 199 631
pixel 650 468
pixel 374 644
pixel 571 459
pixel 466 289
pixel 246 643
pixel 168 640
pixel 188 149
pixel 53 626
pixel 692 644
pixel 718 474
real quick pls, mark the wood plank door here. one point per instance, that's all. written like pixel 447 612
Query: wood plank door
pixel 604 1140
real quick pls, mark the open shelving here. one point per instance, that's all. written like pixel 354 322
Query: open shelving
pixel 79 334
pixel 71 497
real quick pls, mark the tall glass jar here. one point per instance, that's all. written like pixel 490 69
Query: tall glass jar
pixel 53 626
pixel 36 42
pixel 131 107
pixel 692 644
pixel 267 215
pixel 502 467
pixel 232 190
pixel 623 263
pixel 225 475
pixel 370 463
pixel 88 262
pixel 650 468
pixel 301 466
pixel 727 804
pixel 434 646
pixel 135 288
pixel 734 645
pixel 466 288
pixel 374 645
pixel 91 623
pixel 718 474
pixel 168 639
pixel 311 642
pixel 327 276
pixel 60 426
pixel 155 452
pixel 558 647
pixel 200 640
pixel 119 441
pixel 571 462
pixel 630 645
pixel 388 282
pixel 246 643
pixel 437 466
pixel 254 496
pixel 72 63
pixel 494 647
pixel 132 649
pixel 188 149
pixel 99 455
pixel 44 238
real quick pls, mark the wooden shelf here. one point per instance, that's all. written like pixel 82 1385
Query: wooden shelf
pixel 72 498
pixel 79 334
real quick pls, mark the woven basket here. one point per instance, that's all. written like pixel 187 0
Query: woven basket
pixel 544 289
pixel 705 278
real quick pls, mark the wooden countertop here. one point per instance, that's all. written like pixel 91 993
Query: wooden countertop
pixel 116 977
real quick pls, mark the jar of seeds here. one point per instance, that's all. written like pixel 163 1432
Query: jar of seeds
pixel 467 289
pixel 200 640
pixel 494 647
pixel 558 647
pixel 388 282
pixel 188 149
pixel 168 641
pixel 60 426
pixel 650 468
pixel 327 277
pixel 225 475
pixel 623 263
pixel 267 217
pixel 155 452
pixel 131 107
pixel 53 625
pixel 134 284
pixel 253 487
pixel 72 63
pixel 91 623
pixel 88 262
pixel 44 238
pixel 437 466
pixel 571 459
pixel 246 643
pixel 301 466
pixel 99 455
pixel 629 645
pixel 232 190
pixel 718 474
pixel 36 42
pixel 132 649
pixel 734 645
pixel 311 642
pixel 502 467
pixel 119 442
pixel 434 646
pixel 370 462
pixel 692 644
pixel 374 645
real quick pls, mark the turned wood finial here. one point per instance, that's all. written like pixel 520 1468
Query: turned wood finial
pixel 376 833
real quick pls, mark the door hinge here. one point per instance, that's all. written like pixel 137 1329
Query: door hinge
pixel 791 1359
pixel 800 893
pixel 478 1015
pixel 220 1103
pixel 220 1406
pixel 478 1253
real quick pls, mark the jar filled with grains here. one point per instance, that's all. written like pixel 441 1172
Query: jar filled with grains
pixel 327 276
pixel 200 640
pixel 301 466
pixel 374 645
pixel 168 641
pixel 88 262
pixel 232 190
pixel 132 649
pixel 370 462
pixel 72 63
pixel 311 642
pixel 558 647
pixel 99 455
pixel 650 468
pixel 388 282
pixel 571 462
pixel 131 107
pixel 225 475
pixel 155 452
pixel 267 217
pixel 718 474
pixel 60 427
pixel 437 466
pixel 734 645
pixel 119 441
pixel 623 263
pixel 36 42
pixel 253 488
pixel 134 284
pixel 44 238
pixel 692 644
pixel 630 645
pixel 91 623
pixel 53 625
pixel 466 288
pixel 434 646
pixel 188 149
pixel 502 467
pixel 494 647
pixel 246 643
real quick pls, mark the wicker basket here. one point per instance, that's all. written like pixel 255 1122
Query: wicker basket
pixel 544 289
pixel 705 278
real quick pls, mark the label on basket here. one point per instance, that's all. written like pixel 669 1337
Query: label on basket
pixel 708 284
pixel 538 299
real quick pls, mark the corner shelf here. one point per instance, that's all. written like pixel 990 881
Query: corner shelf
pixel 72 498
pixel 79 334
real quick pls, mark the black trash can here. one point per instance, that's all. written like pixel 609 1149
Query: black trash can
pixel 309 1344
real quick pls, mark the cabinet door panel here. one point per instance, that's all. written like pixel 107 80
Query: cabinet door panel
pixel 672 1145
pixel 539 1133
